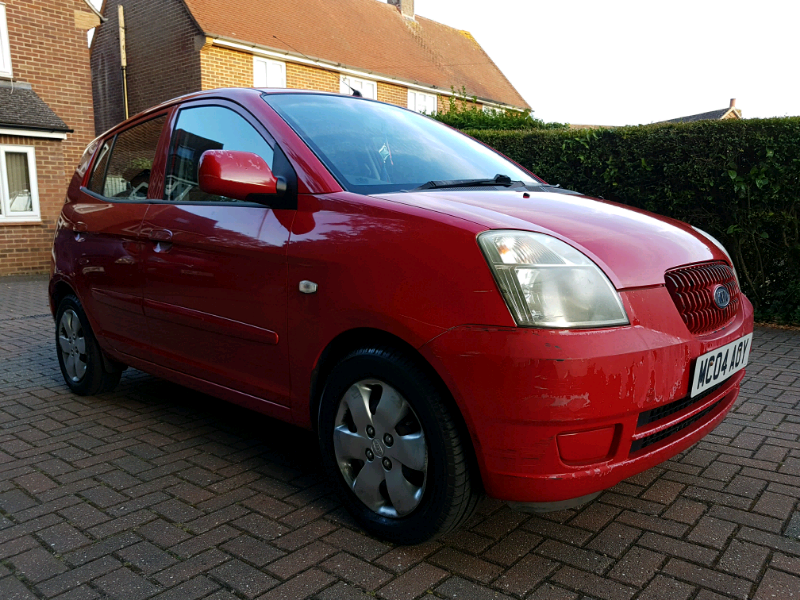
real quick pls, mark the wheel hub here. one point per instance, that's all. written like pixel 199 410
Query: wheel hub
pixel 375 422
pixel 72 344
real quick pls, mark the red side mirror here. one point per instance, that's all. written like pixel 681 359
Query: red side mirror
pixel 238 175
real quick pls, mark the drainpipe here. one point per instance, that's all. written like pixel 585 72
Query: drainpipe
pixel 123 59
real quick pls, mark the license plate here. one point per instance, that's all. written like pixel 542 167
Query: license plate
pixel 716 366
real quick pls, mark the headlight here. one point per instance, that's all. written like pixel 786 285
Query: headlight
pixel 719 245
pixel 547 283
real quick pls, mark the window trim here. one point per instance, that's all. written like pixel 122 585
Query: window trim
pixel 6 69
pixel 352 79
pixel 414 93
pixel 266 61
pixel 28 216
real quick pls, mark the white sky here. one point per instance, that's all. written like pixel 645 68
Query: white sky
pixel 619 62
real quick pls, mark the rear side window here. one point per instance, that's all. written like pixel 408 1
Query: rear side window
pixel 207 128
pixel 126 173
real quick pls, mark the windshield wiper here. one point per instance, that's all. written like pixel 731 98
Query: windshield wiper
pixel 501 180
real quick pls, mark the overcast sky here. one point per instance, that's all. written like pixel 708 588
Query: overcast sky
pixel 619 62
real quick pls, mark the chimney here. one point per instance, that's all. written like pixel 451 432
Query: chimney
pixel 406 7
pixel 733 103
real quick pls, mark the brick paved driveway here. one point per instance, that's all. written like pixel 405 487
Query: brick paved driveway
pixel 156 491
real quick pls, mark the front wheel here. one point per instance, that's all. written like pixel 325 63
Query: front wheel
pixel 79 354
pixel 393 448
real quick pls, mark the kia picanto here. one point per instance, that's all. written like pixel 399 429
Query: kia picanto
pixel 446 322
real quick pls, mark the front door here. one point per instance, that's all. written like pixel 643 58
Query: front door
pixel 215 268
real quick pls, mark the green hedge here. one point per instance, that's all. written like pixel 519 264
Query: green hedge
pixel 738 180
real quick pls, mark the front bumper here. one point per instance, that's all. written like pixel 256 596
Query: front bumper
pixel 520 389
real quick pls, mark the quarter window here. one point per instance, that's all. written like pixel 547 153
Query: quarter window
pixel 125 171
pixel 19 196
pixel 421 102
pixel 268 73
pixel 368 89
pixel 207 128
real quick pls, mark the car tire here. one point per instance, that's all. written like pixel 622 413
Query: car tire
pixel 396 453
pixel 79 354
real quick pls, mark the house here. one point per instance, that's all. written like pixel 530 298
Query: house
pixel 46 121
pixel 383 50
pixel 715 115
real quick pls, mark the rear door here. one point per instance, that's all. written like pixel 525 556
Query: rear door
pixel 215 268
pixel 106 221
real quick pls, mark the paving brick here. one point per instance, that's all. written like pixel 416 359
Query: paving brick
pixel 461 589
pixel 578 557
pixel 37 564
pixel 12 588
pixel 413 583
pixel 190 568
pixel 746 518
pixel 727 584
pixel 62 538
pixel 162 533
pixel 512 547
pixel 525 575
pixel 664 588
pixel 252 550
pixel 302 586
pixel 678 548
pixel 614 539
pixel 637 567
pixel 743 559
pixel 654 524
pixel 355 543
pixel 343 591
pixel 146 557
pixel 243 578
pixel 403 558
pixel 786 563
pixel 775 505
pixel 356 571
pixel 123 584
pixel 193 589
pixel 712 532
pixel 78 576
pixel 204 541
pixel 595 516
pixel 571 535
pixel 776 584
pixel 598 587
pixel 548 591
pixel 300 560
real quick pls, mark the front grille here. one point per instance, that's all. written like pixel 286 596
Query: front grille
pixel 665 433
pixel 656 414
pixel 692 290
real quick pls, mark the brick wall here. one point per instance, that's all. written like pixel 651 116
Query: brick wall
pixel 163 59
pixel 301 77
pixel 25 248
pixel 49 52
pixel 443 103
pixel 393 94
pixel 221 67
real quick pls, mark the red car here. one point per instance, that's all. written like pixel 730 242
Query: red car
pixel 448 323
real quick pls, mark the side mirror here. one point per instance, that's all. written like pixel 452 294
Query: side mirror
pixel 238 175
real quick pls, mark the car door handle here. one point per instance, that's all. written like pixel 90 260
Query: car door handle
pixel 161 235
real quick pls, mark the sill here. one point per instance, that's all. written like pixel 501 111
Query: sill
pixel 32 221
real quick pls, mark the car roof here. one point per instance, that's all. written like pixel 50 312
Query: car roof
pixel 228 93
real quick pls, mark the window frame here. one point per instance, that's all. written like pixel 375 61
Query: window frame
pixel 35 213
pixel 413 94
pixel 257 60
pixel 343 89
pixel 6 69
pixel 284 170
pixel 111 140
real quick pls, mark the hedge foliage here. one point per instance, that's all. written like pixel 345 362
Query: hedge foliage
pixel 464 113
pixel 737 179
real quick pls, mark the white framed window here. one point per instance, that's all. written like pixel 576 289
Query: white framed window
pixel 268 73
pixel 368 89
pixel 19 194
pixel 5 48
pixel 422 102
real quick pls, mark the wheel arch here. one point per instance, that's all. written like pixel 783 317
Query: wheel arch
pixel 363 337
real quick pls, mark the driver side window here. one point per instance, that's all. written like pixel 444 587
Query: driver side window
pixel 207 128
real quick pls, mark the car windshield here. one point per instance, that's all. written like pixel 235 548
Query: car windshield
pixel 372 147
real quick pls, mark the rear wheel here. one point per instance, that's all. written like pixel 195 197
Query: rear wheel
pixel 79 354
pixel 393 447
